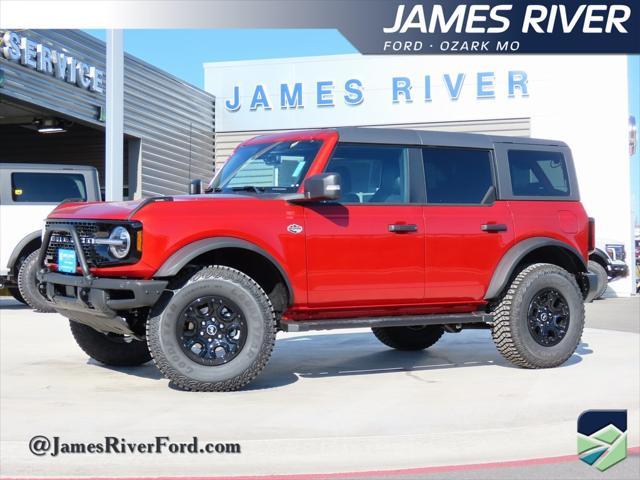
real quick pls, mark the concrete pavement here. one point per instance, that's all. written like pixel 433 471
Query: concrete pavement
pixel 621 314
pixel 327 402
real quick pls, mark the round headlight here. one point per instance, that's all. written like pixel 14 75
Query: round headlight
pixel 121 242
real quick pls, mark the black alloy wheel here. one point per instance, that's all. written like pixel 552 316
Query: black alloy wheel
pixel 548 317
pixel 212 330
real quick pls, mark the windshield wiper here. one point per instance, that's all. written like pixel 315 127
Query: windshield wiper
pixel 248 188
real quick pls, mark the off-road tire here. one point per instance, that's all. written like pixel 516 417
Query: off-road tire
pixel 15 293
pixel 510 330
pixel 257 310
pixel 110 349
pixel 409 338
pixel 28 285
pixel 603 278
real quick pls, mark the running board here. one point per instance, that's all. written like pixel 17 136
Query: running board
pixel 401 321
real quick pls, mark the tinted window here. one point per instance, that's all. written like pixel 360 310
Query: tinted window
pixel 536 173
pixel 371 173
pixel 39 187
pixel 456 175
pixel 278 166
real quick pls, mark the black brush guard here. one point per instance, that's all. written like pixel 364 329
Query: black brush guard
pixel 93 301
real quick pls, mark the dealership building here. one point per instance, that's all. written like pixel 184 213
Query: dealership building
pixel 52 110
pixel 582 100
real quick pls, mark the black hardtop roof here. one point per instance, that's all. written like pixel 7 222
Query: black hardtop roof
pixel 392 136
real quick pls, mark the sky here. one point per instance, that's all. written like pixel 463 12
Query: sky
pixel 182 52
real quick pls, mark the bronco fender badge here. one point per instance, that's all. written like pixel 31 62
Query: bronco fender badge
pixel 295 228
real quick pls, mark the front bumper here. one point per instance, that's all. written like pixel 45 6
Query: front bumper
pixel 590 286
pixel 96 302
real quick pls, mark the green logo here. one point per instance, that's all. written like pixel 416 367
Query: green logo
pixel 602 437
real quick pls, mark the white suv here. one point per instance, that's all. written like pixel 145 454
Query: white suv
pixel 28 193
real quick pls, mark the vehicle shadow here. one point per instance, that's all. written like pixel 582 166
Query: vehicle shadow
pixel 147 370
pixel 9 303
pixel 351 354
pixel 608 293
pixel 360 353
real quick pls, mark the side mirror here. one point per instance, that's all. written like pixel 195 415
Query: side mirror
pixel 196 187
pixel 323 186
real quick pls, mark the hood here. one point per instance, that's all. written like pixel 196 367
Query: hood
pixel 96 210
pixel 125 210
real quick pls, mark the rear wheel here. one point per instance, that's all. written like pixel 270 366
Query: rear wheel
pixel 110 348
pixel 216 333
pixel 603 278
pixel 409 338
pixel 30 287
pixel 539 322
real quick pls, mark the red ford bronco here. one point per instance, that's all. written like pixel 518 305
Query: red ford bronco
pixel 410 233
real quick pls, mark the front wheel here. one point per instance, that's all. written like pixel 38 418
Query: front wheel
pixel 539 322
pixel 216 333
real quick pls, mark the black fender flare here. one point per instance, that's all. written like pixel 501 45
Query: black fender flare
pixel 15 254
pixel 516 253
pixel 183 256
pixel 600 255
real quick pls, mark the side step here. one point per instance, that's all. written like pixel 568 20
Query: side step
pixel 400 321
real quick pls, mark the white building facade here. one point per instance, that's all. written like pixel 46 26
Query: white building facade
pixel 582 100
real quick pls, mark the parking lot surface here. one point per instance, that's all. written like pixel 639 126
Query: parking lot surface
pixel 327 402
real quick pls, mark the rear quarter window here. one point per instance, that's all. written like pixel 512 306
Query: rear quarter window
pixel 538 173
pixel 45 187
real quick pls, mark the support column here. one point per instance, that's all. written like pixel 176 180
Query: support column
pixel 115 116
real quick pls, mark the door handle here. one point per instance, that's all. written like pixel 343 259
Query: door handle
pixel 403 228
pixel 494 227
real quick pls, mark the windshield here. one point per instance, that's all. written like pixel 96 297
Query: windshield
pixel 267 167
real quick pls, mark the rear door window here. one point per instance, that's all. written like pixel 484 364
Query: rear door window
pixel 538 173
pixel 46 187
pixel 457 175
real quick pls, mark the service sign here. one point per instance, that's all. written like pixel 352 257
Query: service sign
pixel 51 61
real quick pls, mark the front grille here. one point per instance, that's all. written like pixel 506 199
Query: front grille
pixel 87 232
